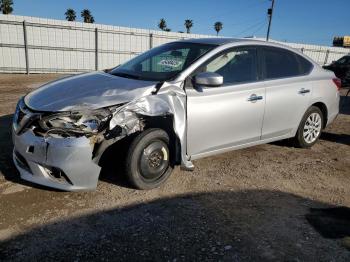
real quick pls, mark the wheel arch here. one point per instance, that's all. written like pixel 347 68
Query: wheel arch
pixel 164 122
pixel 322 106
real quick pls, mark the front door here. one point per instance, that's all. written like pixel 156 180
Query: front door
pixel 223 117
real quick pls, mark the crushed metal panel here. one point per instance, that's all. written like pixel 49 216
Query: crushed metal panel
pixel 170 99
pixel 71 155
pixel 87 91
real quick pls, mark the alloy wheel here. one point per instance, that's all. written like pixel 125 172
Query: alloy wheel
pixel 312 128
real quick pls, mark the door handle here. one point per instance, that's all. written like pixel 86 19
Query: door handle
pixel 304 91
pixel 253 98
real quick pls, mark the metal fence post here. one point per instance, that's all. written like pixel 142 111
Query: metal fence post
pixel 150 41
pixel 326 58
pixel 150 47
pixel 26 46
pixel 96 49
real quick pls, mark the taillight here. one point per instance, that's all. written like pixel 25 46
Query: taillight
pixel 337 82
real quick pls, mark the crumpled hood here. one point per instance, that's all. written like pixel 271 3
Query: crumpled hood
pixel 87 91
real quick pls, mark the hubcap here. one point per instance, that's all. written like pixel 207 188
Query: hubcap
pixel 154 160
pixel 312 128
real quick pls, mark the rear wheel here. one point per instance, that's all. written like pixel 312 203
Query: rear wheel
pixel 148 162
pixel 310 128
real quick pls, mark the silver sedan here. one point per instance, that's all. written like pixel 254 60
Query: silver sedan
pixel 169 106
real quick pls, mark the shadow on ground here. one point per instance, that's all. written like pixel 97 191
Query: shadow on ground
pixel 330 222
pixel 336 138
pixel 227 226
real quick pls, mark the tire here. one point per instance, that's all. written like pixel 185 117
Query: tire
pixel 310 128
pixel 148 162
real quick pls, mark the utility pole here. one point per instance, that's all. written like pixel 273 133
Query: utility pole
pixel 269 13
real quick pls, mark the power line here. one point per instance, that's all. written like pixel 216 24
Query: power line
pixel 252 27
pixel 244 22
pixel 260 27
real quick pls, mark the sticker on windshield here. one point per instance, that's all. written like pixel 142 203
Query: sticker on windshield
pixel 170 63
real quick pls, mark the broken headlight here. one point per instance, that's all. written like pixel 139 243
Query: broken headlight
pixel 92 121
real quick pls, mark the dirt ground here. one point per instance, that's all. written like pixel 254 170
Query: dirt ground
pixel 271 202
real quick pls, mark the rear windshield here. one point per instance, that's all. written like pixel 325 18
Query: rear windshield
pixel 162 63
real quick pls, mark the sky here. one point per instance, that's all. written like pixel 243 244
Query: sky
pixel 301 21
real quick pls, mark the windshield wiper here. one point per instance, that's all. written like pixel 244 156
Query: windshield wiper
pixel 126 75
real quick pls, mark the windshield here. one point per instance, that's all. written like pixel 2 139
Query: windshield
pixel 162 63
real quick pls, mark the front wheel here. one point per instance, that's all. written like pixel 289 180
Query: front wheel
pixel 148 162
pixel 310 128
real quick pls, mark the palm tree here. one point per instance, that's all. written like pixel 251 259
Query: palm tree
pixel 162 24
pixel 188 25
pixel 70 14
pixel 6 6
pixel 88 18
pixel 218 27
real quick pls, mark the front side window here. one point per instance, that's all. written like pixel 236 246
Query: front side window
pixel 236 66
pixel 162 63
pixel 280 63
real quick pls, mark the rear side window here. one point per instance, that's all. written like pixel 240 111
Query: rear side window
pixel 305 66
pixel 280 63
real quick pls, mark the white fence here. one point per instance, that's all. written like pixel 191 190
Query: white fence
pixel 37 45
pixel 321 54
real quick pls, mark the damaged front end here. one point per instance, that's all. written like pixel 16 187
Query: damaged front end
pixel 63 149
pixel 55 149
pixel 165 105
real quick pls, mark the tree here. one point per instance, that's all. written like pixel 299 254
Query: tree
pixel 167 29
pixel 6 6
pixel 188 25
pixel 86 15
pixel 162 24
pixel 218 27
pixel 70 14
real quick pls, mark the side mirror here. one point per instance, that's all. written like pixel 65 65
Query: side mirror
pixel 208 79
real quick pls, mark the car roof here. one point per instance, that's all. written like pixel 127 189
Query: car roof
pixel 250 41
pixel 223 41
pixel 212 41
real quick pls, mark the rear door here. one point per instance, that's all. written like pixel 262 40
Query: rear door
pixel 288 91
